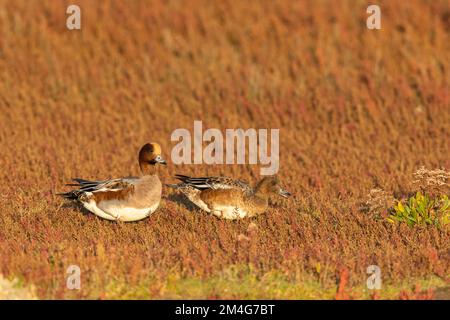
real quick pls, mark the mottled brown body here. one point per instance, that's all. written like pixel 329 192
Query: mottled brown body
pixel 228 198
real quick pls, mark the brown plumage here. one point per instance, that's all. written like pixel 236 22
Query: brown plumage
pixel 125 199
pixel 227 198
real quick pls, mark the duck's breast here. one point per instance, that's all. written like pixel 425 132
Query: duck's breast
pixel 147 192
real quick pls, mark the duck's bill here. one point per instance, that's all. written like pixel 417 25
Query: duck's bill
pixel 160 160
pixel 284 193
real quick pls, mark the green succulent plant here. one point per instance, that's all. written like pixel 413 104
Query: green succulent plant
pixel 421 209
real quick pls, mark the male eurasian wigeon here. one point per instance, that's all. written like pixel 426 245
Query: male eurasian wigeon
pixel 123 199
pixel 228 198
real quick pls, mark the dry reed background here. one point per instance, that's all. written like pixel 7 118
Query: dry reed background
pixel 356 108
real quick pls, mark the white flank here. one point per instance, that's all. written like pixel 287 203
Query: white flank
pixel 114 210
pixel 198 202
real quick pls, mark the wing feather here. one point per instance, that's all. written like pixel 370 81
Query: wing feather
pixel 204 183
pixel 87 186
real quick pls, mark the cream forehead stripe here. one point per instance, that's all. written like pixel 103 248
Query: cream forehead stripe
pixel 156 148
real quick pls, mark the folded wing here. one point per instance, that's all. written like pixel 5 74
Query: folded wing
pixel 86 187
pixel 215 183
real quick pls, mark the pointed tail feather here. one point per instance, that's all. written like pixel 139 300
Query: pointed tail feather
pixel 69 195
pixel 182 177
pixel 175 186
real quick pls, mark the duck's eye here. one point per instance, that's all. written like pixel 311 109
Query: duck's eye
pixel 156 159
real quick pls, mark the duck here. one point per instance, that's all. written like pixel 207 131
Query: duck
pixel 228 198
pixel 123 199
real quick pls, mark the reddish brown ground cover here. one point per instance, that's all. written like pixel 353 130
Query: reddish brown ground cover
pixel 356 109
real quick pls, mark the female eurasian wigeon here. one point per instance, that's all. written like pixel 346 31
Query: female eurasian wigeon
pixel 227 198
pixel 123 199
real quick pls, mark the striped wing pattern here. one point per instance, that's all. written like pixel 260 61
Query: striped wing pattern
pixel 87 186
pixel 215 183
